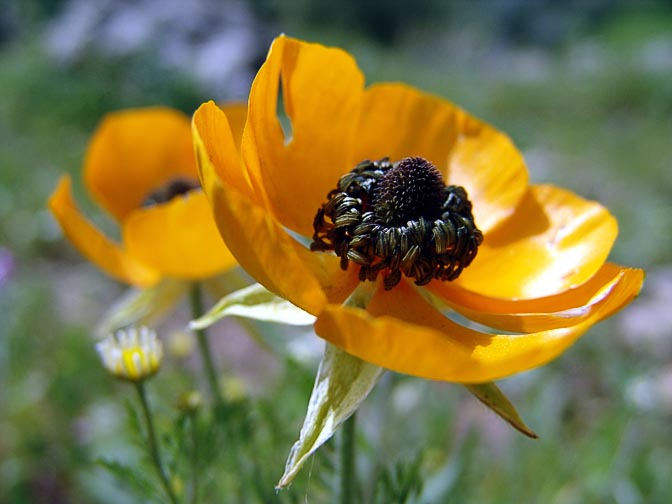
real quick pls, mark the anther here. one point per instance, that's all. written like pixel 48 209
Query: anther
pixel 398 218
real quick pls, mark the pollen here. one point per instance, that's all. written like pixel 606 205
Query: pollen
pixel 398 219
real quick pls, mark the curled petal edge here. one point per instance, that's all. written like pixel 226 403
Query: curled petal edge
pixel 551 312
pixel 555 240
pixel 93 244
pixel 422 342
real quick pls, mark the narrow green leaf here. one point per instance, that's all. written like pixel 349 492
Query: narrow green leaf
pixel 254 302
pixel 142 306
pixel 490 395
pixel 342 383
pixel 131 476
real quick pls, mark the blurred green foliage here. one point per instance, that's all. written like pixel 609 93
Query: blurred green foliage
pixel 592 113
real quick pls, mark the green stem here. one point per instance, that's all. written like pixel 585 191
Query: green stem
pixel 153 445
pixel 360 298
pixel 194 458
pixel 348 460
pixel 196 298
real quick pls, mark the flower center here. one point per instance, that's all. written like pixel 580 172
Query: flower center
pixel 411 189
pixel 398 218
pixel 171 189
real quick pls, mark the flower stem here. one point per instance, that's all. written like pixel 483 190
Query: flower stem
pixel 194 458
pixel 348 460
pixel 360 298
pixel 153 445
pixel 196 299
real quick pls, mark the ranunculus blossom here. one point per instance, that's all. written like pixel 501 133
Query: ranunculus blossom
pixel 526 263
pixel 140 168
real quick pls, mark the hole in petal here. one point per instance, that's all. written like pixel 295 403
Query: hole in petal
pixel 283 117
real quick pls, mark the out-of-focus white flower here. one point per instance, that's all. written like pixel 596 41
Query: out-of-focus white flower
pixel 651 391
pixel 132 354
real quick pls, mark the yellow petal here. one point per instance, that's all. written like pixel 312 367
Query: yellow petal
pixel 487 164
pixel 554 241
pixel 218 157
pixel 236 115
pixel 254 237
pixel 551 312
pixel 134 152
pixel 265 250
pixel 398 121
pixel 178 238
pixel 404 333
pixel 322 90
pixel 93 244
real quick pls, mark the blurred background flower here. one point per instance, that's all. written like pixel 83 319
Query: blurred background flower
pixel 6 265
pixel 140 167
pixel 583 88
pixel 134 354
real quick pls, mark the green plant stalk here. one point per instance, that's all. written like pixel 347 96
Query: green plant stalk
pixel 347 456
pixel 194 457
pixel 196 299
pixel 153 445
pixel 360 297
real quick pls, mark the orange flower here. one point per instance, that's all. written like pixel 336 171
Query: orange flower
pixel 539 279
pixel 140 168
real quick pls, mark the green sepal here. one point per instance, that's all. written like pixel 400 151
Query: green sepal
pixel 490 395
pixel 257 303
pixel 142 306
pixel 343 381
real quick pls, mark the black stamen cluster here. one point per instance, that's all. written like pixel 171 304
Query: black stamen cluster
pixel 398 218
pixel 175 187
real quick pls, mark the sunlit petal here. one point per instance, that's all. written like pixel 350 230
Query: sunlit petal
pixel 236 115
pixel 567 308
pixel 134 152
pixel 178 238
pixel 216 150
pixel 489 166
pixel 322 90
pixel 93 244
pixel 399 121
pixel 258 241
pixel 554 241
pixel 402 332
pixel 254 237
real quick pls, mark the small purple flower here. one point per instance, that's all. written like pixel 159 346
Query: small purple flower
pixel 7 264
